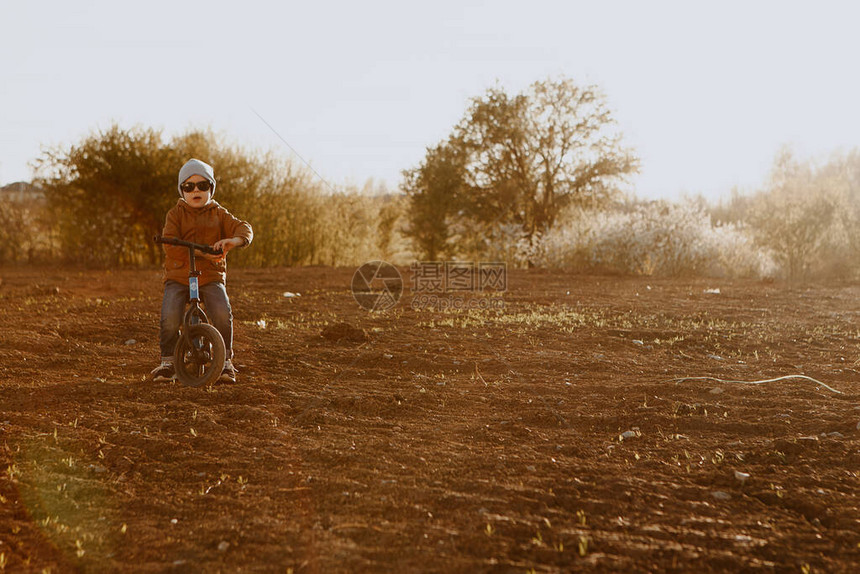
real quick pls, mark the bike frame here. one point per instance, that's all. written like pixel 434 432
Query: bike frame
pixel 194 313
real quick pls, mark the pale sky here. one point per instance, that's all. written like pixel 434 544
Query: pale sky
pixel 706 92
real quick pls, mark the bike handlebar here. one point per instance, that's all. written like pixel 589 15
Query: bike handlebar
pixel 173 241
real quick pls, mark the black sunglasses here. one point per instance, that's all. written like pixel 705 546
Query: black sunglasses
pixel 189 186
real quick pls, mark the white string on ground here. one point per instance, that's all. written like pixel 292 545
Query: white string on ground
pixel 761 382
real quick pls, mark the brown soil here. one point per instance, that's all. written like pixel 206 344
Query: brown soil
pixel 546 436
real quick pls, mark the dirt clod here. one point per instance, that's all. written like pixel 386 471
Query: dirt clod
pixel 344 332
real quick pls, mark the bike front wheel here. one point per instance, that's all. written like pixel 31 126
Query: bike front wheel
pixel 200 356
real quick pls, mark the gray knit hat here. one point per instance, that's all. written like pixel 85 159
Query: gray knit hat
pixel 196 167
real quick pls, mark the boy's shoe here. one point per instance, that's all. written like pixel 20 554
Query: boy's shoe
pixel 228 375
pixel 164 372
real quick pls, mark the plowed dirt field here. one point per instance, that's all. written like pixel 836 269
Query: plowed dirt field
pixel 549 435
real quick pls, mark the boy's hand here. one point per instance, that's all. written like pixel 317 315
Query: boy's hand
pixel 226 245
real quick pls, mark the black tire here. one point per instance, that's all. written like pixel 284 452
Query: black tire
pixel 201 362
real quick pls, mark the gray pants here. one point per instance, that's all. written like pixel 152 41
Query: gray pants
pixel 214 296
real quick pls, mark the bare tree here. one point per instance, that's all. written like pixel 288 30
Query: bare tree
pixel 528 156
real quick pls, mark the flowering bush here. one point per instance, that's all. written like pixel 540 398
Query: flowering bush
pixel 655 238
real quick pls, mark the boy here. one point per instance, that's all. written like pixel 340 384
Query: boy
pixel 198 218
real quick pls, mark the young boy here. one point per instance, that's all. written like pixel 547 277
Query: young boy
pixel 198 218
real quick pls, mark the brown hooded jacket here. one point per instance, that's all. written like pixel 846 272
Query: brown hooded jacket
pixel 205 225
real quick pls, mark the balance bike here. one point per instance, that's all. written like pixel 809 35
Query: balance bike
pixel 200 353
